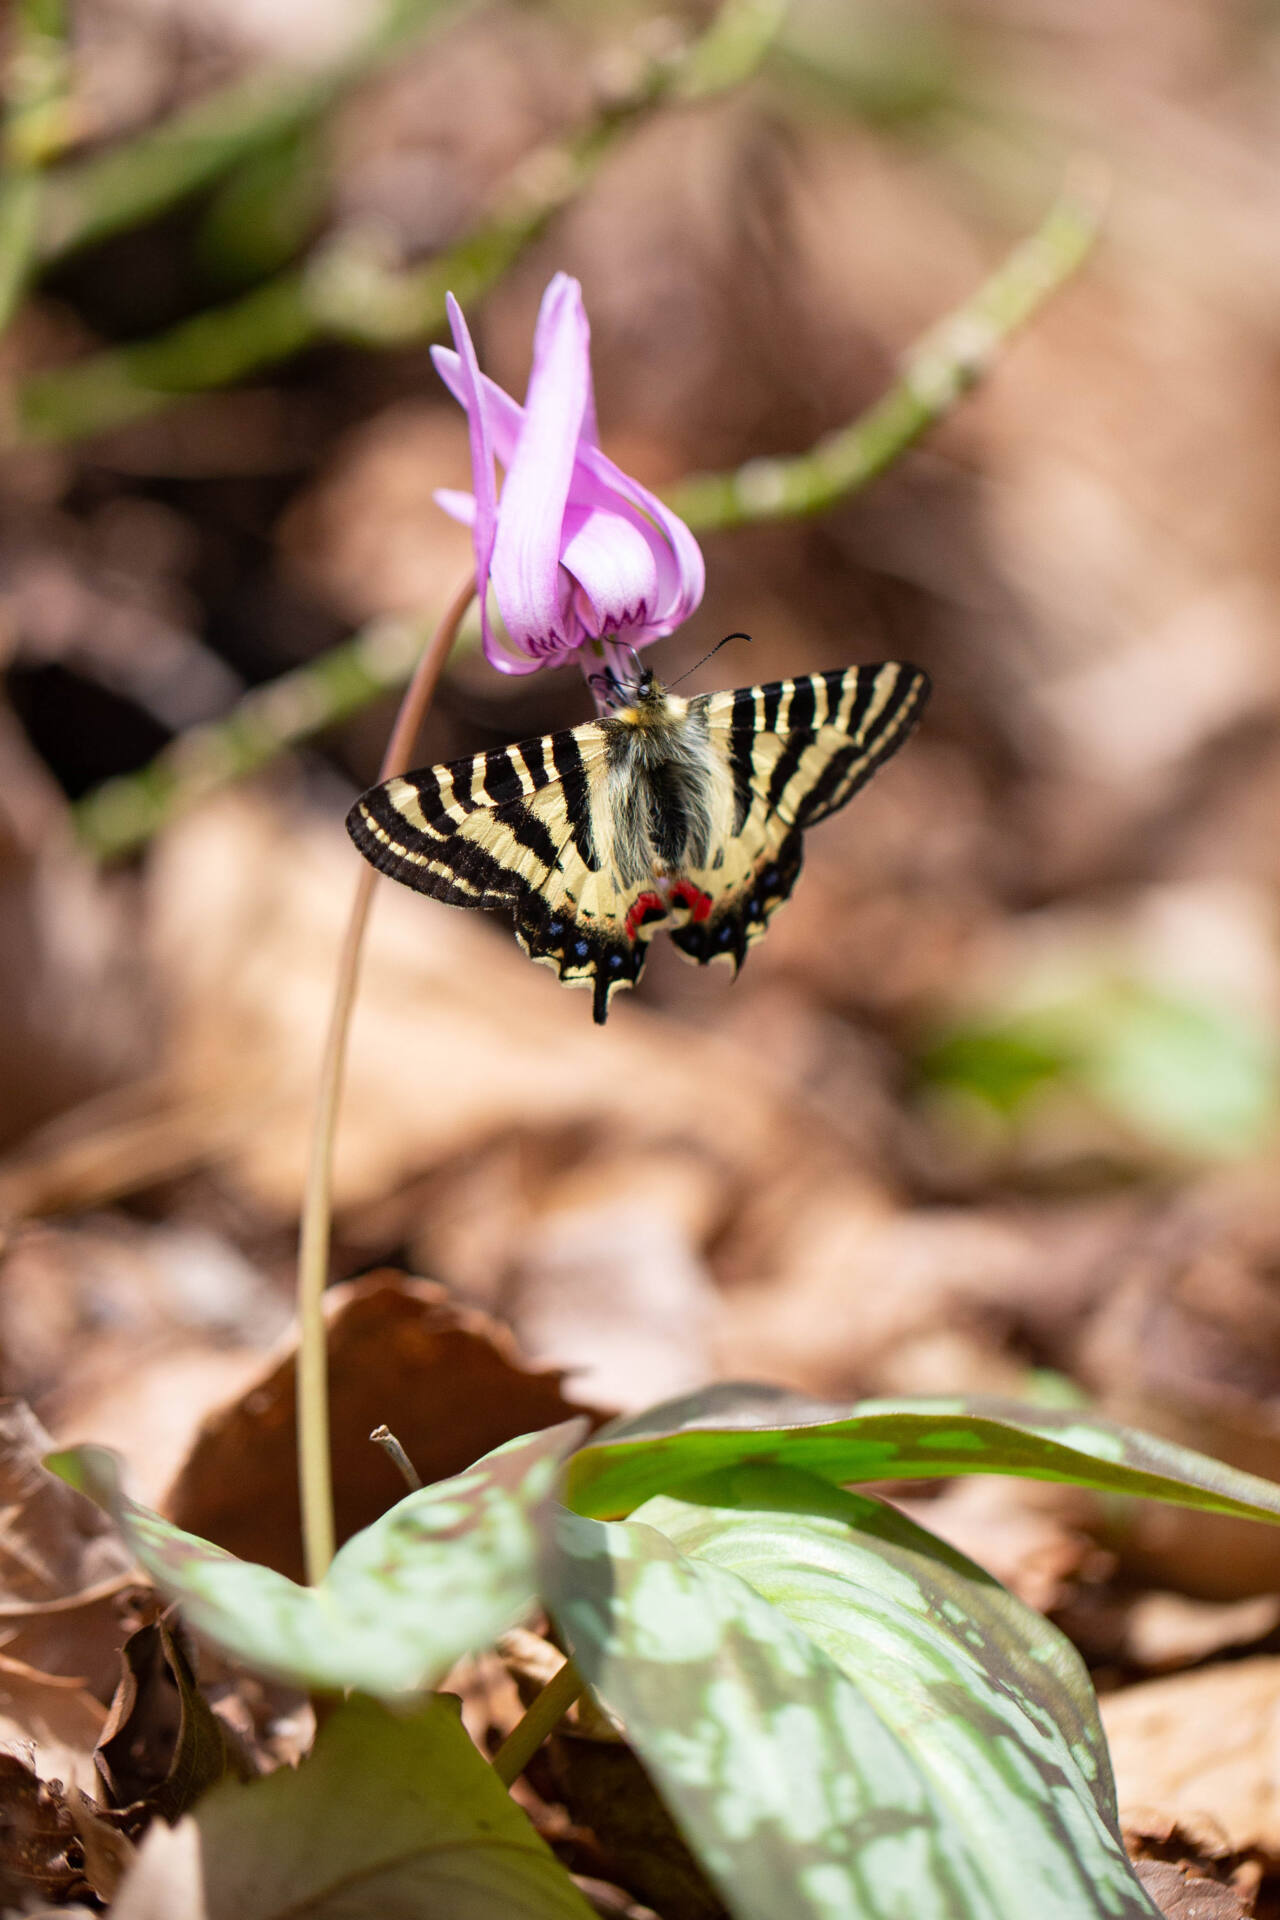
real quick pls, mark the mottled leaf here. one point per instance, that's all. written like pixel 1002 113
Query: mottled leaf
pixel 927 1439
pixel 847 1720
pixel 391 1815
pixel 445 1570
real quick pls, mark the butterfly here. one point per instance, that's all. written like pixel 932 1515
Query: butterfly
pixel 665 814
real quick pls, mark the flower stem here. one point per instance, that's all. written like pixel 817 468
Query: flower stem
pixel 315 1475
pixel 545 1711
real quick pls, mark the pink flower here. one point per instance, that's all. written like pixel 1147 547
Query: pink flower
pixel 575 550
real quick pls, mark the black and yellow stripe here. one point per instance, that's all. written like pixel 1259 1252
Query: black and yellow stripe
pixel 591 837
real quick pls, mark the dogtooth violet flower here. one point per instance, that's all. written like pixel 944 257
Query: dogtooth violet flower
pixel 575 550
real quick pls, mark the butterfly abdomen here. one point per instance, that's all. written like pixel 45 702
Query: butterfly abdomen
pixel 663 782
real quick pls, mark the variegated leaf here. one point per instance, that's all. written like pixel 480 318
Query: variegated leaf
pixel 444 1571
pixel 392 1815
pixel 847 1720
pixel 925 1439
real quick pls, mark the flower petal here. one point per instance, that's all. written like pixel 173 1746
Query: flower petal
pixel 690 567
pixel 484 523
pixel 616 567
pixel 526 555
pixel 458 505
pixel 504 416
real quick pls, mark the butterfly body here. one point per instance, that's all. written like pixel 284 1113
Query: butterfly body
pixel 666 814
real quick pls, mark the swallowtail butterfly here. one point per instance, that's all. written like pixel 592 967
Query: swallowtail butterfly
pixel 683 816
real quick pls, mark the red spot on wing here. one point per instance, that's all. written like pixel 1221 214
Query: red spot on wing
pixel 698 902
pixel 646 906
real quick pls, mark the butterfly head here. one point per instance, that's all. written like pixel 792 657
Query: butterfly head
pixel 635 697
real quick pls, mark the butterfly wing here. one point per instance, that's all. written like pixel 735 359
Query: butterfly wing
pixel 797 750
pixel 518 829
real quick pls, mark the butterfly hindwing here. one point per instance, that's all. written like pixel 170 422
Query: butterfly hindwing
pixel 798 750
pixel 513 828
pixel 688 815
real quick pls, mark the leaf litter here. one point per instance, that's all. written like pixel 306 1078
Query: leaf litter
pixel 1090 569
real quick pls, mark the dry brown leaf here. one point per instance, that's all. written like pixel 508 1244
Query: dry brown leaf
pixel 1187 1344
pixel 1169 1630
pixel 36 1830
pixel 448 1382
pixel 1203 1746
pixel 125 1332
pixel 162 1744
pixel 108 1852
pixel 64 1572
pixel 855 1281
pixel 1188 1896
pixel 607 1280
pixel 52 1722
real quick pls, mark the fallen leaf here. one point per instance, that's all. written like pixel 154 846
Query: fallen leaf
pixel 1202 1746
pixel 1169 1630
pixel 1183 1864
pixel 36 1831
pixel 1186 1344
pixel 52 1721
pixel 162 1744
pixel 108 1852
pixel 64 1572
pixel 448 1382
pixel 608 1281
pixel 1186 1896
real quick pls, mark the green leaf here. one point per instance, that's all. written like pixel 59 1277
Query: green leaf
pixel 1192 1074
pixel 927 1439
pixel 847 1720
pixel 444 1571
pixel 391 1815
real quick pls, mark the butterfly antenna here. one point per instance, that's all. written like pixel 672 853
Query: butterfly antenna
pixel 711 656
pixel 606 687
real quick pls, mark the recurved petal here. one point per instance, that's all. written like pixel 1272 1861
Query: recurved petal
pixel 484 520
pixel 458 505
pixel 600 480
pixel 617 562
pixel 503 415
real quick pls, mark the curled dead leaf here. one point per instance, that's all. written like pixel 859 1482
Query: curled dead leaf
pixel 449 1382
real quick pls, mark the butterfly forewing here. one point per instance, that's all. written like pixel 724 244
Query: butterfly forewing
pixel 547 829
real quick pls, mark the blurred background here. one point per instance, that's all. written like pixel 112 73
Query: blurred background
pixel 993 1108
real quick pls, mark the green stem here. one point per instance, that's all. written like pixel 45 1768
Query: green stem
pixel 34 126
pixel 943 366
pixel 92 199
pixel 315 1472
pixel 125 812
pixel 346 292
pixel 545 1712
